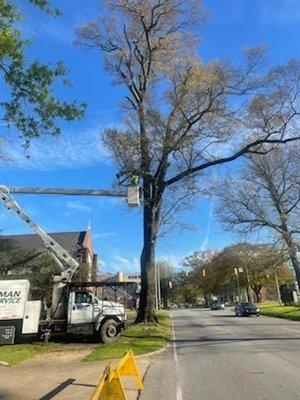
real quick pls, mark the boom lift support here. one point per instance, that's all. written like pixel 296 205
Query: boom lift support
pixel 60 255
pixel 104 318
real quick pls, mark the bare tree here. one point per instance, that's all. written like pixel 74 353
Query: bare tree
pixel 266 197
pixel 181 116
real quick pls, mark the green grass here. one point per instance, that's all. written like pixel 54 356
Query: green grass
pixel 14 354
pixel 140 338
pixel 275 310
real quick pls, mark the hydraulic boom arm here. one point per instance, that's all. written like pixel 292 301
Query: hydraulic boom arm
pixel 67 264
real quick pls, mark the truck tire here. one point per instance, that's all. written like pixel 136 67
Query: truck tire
pixel 109 331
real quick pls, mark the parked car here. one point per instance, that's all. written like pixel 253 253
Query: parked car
pixel 246 308
pixel 217 305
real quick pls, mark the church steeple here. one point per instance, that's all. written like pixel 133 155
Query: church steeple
pixel 89 227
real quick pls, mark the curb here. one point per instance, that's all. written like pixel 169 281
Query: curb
pixel 4 364
pixel 152 353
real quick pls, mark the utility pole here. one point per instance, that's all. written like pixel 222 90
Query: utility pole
pixel 158 286
pixel 237 282
pixel 249 295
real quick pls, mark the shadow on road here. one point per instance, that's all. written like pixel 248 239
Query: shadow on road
pixel 180 343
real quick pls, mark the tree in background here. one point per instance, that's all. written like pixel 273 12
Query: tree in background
pixel 200 274
pixel 184 289
pixel 182 115
pixel 27 103
pixel 36 266
pixel 166 274
pixel 259 264
pixel 256 266
pixel 266 197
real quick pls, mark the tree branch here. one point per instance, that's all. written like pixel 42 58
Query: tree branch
pixel 224 160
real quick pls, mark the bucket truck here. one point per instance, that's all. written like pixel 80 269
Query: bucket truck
pixel 73 310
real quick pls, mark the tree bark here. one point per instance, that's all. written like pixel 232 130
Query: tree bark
pixel 146 311
pixel 286 233
pixel 292 250
pixel 257 295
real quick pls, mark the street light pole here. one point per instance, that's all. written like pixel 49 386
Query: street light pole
pixel 249 295
pixel 158 286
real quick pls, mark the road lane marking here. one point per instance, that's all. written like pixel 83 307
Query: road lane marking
pixel 291 330
pixel 230 331
pixel 175 356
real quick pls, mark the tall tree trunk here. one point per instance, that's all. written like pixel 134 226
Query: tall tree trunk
pixel 257 295
pixel 257 289
pixel 146 311
pixel 248 293
pixel 289 241
pixel 292 250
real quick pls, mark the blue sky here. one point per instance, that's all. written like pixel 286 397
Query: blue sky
pixel 78 159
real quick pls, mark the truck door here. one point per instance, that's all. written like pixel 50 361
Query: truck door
pixel 80 308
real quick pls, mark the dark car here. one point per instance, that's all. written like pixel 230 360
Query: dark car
pixel 246 308
pixel 217 305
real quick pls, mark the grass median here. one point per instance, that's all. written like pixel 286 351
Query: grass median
pixel 140 338
pixel 274 310
pixel 14 354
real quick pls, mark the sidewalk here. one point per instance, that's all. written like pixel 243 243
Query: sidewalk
pixel 60 377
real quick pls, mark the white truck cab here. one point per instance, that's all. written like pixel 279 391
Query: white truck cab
pixel 101 317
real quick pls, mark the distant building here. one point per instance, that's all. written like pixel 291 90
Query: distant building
pixel 128 294
pixel 78 244
pixel 130 278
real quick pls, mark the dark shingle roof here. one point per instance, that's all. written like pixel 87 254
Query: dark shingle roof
pixel 70 241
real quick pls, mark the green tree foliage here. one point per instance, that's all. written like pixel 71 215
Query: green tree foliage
pixel 255 265
pixel 184 289
pixel 27 103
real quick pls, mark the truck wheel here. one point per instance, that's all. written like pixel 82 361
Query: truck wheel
pixel 109 331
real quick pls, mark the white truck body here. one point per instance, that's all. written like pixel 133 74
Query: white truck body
pixel 13 298
pixel 31 317
pixel 20 317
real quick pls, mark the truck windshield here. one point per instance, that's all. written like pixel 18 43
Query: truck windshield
pixel 82 297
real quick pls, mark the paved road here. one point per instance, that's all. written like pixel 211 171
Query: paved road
pixel 216 356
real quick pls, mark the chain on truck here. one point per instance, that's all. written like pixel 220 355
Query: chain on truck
pixel 74 308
